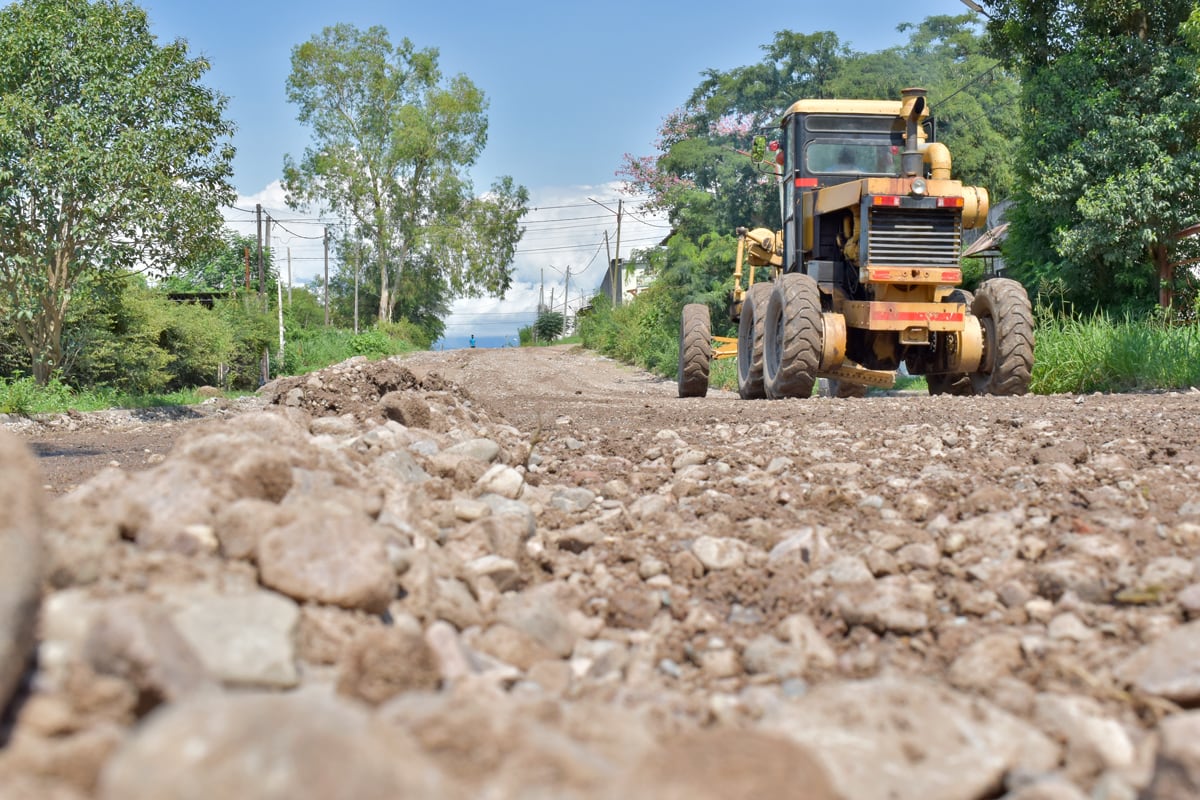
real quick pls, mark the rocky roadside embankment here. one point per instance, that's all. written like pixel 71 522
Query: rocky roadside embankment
pixel 375 589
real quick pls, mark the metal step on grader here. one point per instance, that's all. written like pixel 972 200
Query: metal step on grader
pixel 864 275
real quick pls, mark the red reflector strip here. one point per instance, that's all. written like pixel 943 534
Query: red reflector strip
pixel 806 183
pixel 886 200
pixel 952 276
pixel 916 316
pixel 950 202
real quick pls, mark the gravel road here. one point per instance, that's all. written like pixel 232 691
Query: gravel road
pixel 536 573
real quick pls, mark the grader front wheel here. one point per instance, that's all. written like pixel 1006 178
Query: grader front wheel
pixel 695 350
pixel 1003 309
pixel 750 342
pixel 792 337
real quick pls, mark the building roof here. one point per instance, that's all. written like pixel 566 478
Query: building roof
pixel 991 240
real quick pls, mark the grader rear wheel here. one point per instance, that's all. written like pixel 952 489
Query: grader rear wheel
pixel 695 350
pixel 952 383
pixel 750 342
pixel 792 337
pixel 1007 318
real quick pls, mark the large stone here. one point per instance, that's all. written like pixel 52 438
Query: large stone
pixel 541 613
pixel 722 763
pixel 1168 667
pixel 908 739
pixel 502 480
pixel 21 560
pixel 986 662
pixel 481 449
pixel 302 746
pixel 1095 742
pixel 717 553
pixel 135 640
pixel 243 640
pixel 893 604
pixel 383 662
pixel 328 554
pixel 1177 765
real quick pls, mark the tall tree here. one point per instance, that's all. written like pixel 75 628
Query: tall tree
pixel 1110 149
pixel 701 174
pixel 230 266
pixel 113 156
pixel 392 142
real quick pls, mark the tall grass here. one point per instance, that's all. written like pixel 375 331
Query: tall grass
pixel 318 348
pixel 1098 354
pixel 309 350
pixel 23 397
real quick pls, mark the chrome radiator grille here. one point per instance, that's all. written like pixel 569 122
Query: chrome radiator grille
pixel 904 238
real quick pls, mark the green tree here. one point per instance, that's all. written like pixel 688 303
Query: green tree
pixel 420 295
pixel 392 142
pixel 1109 160
pixel 702 177
pixel 549 325
pixel 113 156
pixel 224 268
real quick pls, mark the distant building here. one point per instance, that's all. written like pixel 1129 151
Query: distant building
pixel 987 244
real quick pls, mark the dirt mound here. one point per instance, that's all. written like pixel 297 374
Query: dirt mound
pixel 561 581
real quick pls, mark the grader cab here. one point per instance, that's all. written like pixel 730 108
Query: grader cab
pixel 863 277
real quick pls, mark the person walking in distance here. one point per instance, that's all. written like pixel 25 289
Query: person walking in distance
pixel 472 340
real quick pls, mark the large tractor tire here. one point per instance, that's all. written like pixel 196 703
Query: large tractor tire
pixel 951 383
pixel 695 350
pixel 750 341
pixel 792 337
pixel 1007 318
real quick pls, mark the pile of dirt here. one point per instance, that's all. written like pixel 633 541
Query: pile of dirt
pixel 519 574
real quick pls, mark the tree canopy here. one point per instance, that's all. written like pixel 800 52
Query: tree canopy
pixel 392 140
pixel 113 156
pixel 1110 151
pixel 701 174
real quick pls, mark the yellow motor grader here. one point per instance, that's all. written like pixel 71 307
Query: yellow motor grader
pixel 864 274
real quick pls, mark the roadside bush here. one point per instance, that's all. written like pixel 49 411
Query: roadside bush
pixel 253 331
pixel 112 337
pixel 407 332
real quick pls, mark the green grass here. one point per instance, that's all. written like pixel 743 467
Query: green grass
pixel 318 348
pixel 312 350
pixel 22 396
pixel 1097 354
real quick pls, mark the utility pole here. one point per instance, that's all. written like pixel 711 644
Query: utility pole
pixel 258 215
pixel 616 267
pixel 566 297
pixel 612 289
pixel 326 277
pixel 265 363
pixel 268 249
pixel 289 277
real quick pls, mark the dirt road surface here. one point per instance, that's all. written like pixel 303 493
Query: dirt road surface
pixel 538 573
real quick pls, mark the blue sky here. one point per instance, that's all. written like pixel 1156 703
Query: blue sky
pixel 572 87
